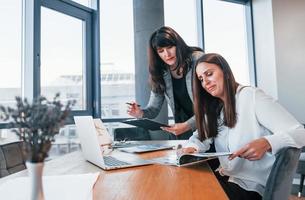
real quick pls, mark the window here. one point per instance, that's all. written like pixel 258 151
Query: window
pixel 56 53
pixel 66 57
pixel 62 57
pixel 117 57
pixel 181 15
pixel 10 51
pixel 225 33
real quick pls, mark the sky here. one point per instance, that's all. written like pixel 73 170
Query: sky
pixel 61 45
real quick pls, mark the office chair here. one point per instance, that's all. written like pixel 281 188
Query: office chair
pixel 301 170
pixel 279 183
pixel 132 133
pixel 11 158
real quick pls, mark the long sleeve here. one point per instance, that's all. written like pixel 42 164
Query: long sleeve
pixel 287 131
pixel 197 144
pixel 154 105
pixel 192 122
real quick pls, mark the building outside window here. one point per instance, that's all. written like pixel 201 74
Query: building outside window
pixel 117 59
pixel 10 51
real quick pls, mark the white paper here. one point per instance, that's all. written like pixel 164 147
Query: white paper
pixel 174 159
pixel 63 187
pixel 208 155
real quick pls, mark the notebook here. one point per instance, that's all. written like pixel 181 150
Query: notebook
pixel 185 159
pixel 91 147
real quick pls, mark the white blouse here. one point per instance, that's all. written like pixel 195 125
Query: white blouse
pixel 258 115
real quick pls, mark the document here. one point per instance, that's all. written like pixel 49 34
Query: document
pixel 146 124
pixel 186 159
pixel 64 187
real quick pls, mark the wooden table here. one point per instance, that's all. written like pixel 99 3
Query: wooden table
pixel 145 182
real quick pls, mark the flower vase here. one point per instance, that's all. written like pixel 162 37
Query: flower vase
pixel 35 174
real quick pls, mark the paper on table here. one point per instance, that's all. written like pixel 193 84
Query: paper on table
pixel 63 187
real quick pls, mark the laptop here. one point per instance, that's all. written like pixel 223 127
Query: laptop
pixel 93 153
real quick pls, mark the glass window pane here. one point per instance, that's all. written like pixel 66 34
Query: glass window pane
pixel 86 3
pixel 117 57
pixel 10 51
pixel 225 33
pixel 182 18
pixel 62 57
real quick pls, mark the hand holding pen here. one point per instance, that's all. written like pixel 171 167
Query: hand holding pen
pixel 132 104
pixel 134 109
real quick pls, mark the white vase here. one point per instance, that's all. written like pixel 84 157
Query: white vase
pixel 35 174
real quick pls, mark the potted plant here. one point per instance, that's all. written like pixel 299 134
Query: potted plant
pixel 36 124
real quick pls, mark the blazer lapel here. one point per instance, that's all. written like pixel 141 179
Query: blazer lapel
pixel 188 79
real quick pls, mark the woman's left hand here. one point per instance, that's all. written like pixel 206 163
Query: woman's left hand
pixel 177 129
pixel 254 150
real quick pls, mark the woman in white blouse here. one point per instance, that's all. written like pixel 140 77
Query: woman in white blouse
pixel 242 120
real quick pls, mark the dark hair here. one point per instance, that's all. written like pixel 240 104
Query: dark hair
pixel 207 108
pixel 167 37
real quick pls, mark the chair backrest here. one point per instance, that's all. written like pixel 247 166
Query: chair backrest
pixel 133 133
pixel 11 158
pixel 279 183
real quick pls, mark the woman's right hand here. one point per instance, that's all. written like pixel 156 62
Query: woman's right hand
pixel 134 110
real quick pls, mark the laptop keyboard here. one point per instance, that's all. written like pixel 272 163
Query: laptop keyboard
pixel 111 161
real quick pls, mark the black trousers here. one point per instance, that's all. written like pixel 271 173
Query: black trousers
pixel 234 192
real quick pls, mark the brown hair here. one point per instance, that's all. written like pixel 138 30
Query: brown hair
pixel 167 37
pixel 207 108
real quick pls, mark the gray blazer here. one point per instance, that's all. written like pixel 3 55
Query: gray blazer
pixel 156 100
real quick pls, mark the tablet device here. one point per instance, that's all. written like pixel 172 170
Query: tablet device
pixel 145 123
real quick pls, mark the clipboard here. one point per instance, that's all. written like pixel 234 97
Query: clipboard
pixel 145 123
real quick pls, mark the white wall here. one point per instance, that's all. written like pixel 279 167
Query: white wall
pixel 280 51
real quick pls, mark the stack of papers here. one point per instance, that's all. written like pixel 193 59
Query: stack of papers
pixel 64 187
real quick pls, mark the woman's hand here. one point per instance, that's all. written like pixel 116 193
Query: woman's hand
pixel 177 129
pixel 254 150
pixel 134 110
pixel 188 150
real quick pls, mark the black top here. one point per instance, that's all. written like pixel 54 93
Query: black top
pixel 182 99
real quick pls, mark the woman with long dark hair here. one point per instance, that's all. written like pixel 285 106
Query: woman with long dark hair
pixel 242 120
pixel 171 63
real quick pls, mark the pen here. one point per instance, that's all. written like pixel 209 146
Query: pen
pixel 133 104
